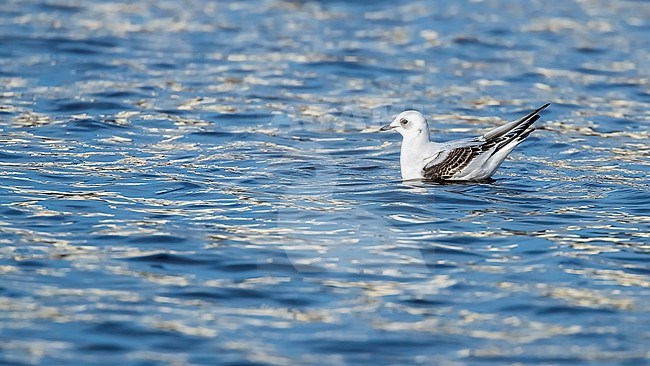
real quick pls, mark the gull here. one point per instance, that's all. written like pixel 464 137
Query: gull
pixel 470 159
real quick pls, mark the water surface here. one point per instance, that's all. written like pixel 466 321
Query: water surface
pixel 190 183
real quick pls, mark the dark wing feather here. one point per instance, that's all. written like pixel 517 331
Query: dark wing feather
pixel 455 161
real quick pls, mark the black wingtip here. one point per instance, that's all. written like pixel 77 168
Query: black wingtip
pixel 543 107
pixel 535 112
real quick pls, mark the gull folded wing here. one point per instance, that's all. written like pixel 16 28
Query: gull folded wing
pixel 478 158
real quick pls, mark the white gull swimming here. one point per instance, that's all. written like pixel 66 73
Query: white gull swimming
pixel 471 159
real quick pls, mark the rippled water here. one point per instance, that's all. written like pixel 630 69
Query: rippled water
pixel 202 183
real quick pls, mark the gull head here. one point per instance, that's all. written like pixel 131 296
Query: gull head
pixel 409 124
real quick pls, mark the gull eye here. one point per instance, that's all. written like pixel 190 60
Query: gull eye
pixel 403 121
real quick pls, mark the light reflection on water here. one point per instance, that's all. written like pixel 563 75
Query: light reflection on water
pixel 199 183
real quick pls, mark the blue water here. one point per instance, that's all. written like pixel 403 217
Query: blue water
pixel 201 183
